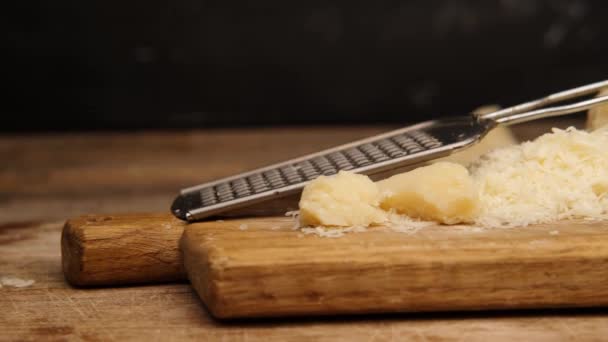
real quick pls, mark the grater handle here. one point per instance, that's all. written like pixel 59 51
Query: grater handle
pixel 533 110
pixel 547 100
pixel 550 112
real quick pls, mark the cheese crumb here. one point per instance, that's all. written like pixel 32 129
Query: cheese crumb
pixel 16 282
pixel 334 232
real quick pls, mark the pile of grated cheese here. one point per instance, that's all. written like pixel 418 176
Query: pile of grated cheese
pixel 560 175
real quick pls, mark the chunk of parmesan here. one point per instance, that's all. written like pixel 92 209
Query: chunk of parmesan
pixel 499 137
pixel 597 117
pixel 442 192
pixel 343 200
pixel 560 175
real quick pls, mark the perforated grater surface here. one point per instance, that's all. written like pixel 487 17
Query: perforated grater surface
pixel 372 156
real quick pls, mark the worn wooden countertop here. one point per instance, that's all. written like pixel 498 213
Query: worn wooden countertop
pixel 45 179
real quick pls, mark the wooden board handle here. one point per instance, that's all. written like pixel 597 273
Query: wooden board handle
pixel 122 249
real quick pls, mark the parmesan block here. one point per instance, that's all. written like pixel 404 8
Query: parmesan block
pixel 342 200
pixel 597 116
pixel 442 192
pixel 500 136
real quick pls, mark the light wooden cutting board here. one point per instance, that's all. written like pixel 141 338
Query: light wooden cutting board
pixel 262 267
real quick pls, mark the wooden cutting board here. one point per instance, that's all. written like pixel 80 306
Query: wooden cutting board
pixel 262 267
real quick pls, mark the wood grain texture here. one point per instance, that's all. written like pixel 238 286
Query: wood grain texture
pixel 44 181
pixel 122 249
pixel 51 310
pixel 268 269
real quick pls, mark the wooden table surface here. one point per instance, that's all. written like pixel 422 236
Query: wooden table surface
pixel 44 179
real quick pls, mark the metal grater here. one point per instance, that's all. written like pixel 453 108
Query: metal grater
pixel 377 156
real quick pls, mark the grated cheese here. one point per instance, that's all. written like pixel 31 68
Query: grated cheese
pixel 560 175
pixel 332 232
pixel 405 224
pixel 395 222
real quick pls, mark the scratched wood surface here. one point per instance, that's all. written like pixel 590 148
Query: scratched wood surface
pixel 261 267
pixel 45 179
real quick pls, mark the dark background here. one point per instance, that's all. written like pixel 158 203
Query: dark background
pixel 194 63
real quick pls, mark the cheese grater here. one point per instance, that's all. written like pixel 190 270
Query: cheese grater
pixel 379 155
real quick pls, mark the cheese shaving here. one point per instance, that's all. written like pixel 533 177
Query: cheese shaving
pixel 560 175
pixel 333 232
pixel 15 282
pixel 405 224
pixel 396 222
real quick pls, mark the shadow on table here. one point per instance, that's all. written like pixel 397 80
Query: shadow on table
pixel 417 316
